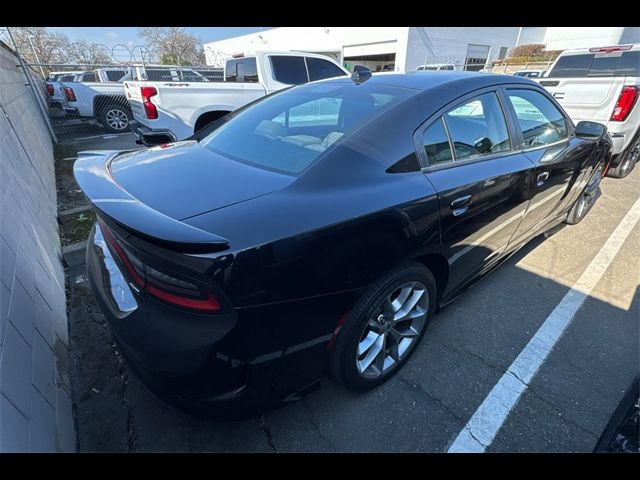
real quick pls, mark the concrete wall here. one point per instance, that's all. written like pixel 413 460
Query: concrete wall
pixel 561 38
pixel 449 44
pixel 35 402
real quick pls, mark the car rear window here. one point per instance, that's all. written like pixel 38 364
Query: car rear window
pixel 615 64
pixel 288 131
pixel 115 75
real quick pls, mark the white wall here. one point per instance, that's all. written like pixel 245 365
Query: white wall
pixel 561 38
pixel 306 39
pixel 450 43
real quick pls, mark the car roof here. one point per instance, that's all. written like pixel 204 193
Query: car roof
pixel 426 80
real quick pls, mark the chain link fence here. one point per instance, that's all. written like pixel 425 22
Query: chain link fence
pixel 87 100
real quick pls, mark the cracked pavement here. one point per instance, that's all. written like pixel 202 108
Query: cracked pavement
pixel 465 351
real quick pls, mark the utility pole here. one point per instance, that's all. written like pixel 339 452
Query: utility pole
pixel 36 56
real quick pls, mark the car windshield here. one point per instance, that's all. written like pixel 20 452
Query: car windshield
pixel 288 131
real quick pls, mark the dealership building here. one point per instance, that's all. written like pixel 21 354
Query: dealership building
pixel 379 48
pixel 406 48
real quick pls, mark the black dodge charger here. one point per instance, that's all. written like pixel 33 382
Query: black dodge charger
pixel 322 227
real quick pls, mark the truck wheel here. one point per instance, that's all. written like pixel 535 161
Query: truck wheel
pixel 629 158
pixel 384 327
pixel 115 118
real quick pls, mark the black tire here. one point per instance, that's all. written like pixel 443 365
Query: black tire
pixel 115 117
pixel 628 159
pixel 343 358
pixel 587 198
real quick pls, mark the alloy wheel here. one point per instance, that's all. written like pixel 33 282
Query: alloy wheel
pixel 392 330
pixel 117 119
pixel 589 193
pixel 632 157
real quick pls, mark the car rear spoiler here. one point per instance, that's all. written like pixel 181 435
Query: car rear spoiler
pixel 92 173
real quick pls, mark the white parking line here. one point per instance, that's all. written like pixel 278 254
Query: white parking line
pixel 482 427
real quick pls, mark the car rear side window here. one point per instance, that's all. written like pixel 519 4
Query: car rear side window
pixel 572 66
pixel 540 120
pixel 289 70
pixel 478 128
pixel 320 69
pixel 436 143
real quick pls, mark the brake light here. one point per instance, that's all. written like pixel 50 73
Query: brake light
pixel 625 103
pixel 165 287
pixel 69 94
pixel 50 89
pixel 150 109
pixel 237 55
pixel 617 48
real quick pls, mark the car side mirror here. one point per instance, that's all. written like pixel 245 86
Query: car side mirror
pixel 360 74
pixel 590 130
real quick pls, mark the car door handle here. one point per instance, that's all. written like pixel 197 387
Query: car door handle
pixel 460 205
pixel 541 178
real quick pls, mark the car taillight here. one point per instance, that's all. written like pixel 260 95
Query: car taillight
pixel 50 89
pixel 625 103
pixel 149 108
pixel 165 287
pixel 69 94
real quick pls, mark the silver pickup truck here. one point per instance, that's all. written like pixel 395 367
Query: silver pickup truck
pixel 602 85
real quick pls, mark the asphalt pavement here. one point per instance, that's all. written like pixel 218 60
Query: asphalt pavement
pixel 465 352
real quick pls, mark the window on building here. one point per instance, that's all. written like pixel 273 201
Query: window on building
pixel 476 57
pixel 540 121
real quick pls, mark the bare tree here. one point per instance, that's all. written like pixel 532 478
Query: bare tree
pixel 38 45
pixel 84 52
pixel 174 46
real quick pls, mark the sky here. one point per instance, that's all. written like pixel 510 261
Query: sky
pixel 128 36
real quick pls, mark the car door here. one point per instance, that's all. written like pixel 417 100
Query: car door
pixel 546 138
pixel 480 179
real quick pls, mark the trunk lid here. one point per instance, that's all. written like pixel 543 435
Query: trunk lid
pixel 183 179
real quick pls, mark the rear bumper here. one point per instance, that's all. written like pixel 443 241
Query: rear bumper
pixel 149 137
pixel 215 366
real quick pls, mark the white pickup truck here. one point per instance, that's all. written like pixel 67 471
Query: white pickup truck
pixel 602 85
pixel 167 111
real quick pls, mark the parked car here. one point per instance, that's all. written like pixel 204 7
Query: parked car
pixel 54 89
pixel 169 111
pixel 437 66
pixel 529 73
pixel 324 225
pixel 602 85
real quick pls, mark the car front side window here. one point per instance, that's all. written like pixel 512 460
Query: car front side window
pixel 540 121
